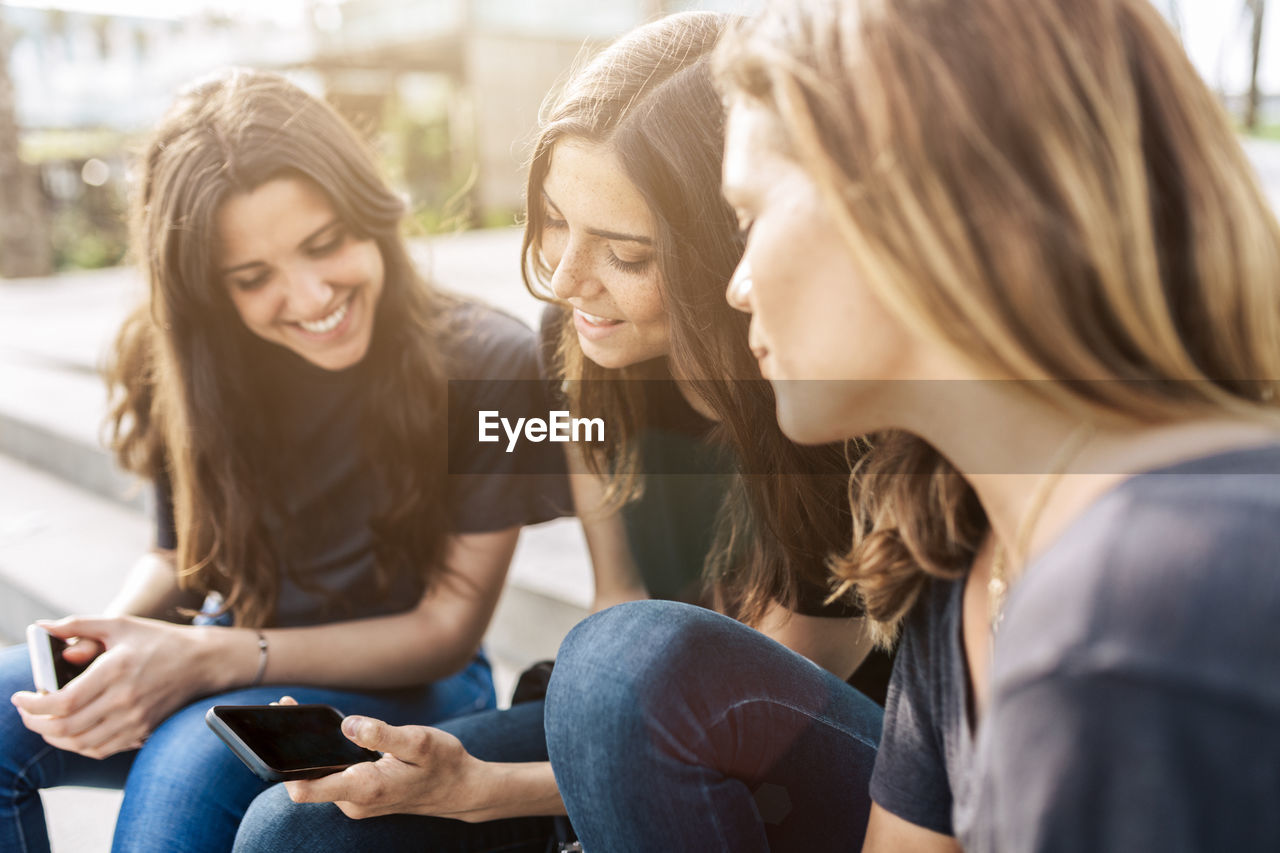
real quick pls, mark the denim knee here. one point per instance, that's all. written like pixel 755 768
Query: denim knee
pixel 275 822
pixel 627 649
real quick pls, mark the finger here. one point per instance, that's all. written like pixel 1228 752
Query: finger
pixel 285 700
pixel 79 626
pixel 405 742
pixel 82 650
pixel 65 729
pixel 80 693
pixel 322 790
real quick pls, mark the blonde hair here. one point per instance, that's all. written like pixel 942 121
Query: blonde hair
pixel 1046 187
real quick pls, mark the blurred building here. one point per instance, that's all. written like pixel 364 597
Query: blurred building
pixel 449 88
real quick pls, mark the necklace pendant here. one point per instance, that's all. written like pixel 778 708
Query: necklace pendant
pixel 997 590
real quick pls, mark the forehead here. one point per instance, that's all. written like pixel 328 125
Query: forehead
pixel 587 184
pixel 754 148
pixel 274 216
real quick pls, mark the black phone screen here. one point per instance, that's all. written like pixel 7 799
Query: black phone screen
pixel 294 737
pixel 63 670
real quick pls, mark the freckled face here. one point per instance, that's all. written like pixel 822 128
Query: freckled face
pixel 297 277
pixel 814 322
pixel 598 238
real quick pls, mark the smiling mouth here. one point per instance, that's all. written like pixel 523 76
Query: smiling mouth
pixel 596 320
pixel 326 324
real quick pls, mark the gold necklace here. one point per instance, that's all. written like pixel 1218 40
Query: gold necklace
pixel 998 584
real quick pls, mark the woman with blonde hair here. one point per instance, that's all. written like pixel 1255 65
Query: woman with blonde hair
pixel 1018 242
pixel 321 498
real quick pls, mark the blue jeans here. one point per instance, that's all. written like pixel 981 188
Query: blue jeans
pixel 184 791
pixel 673 728
pixel 275 824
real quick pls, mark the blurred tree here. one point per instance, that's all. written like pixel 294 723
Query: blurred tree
pixel 1255 9
pixel 25 249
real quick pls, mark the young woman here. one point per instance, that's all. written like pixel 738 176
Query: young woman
pixel 627 229
pixel 285 388
pixel 1022 233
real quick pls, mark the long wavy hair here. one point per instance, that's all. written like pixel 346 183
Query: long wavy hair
pixel 650 98
pixel 186 393
pixel 1046 186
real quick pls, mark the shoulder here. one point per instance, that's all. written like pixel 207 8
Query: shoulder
pixel 484 343
pixel 1170 576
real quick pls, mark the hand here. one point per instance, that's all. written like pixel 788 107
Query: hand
pixel 142 670
pixel 423 771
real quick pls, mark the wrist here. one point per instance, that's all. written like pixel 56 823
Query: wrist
pixel 227 657
pixel 506 790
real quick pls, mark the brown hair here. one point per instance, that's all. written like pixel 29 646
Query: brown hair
pixel 650 97
pixel 185 391
pixel 1047 187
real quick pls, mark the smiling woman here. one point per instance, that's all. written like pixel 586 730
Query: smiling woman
pixel 296 275
pixel 287 388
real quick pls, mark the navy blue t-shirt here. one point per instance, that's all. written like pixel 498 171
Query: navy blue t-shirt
pixel 1135 687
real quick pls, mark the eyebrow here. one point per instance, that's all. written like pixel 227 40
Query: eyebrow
pixel 304 241
pixel 600 232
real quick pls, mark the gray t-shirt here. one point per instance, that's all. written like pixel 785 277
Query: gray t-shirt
pixel 1135 685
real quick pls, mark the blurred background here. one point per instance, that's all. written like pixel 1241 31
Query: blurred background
pixel 448 89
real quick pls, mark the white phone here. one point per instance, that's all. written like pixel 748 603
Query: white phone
pixel 49 669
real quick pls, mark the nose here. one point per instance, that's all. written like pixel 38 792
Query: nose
pixel 738 293
pixel 309 293
pixel 573 274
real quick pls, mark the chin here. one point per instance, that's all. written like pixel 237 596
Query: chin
pixel 608 359
pixel 339 359
pixel 808 418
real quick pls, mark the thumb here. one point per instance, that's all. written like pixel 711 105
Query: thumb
pixel 378 736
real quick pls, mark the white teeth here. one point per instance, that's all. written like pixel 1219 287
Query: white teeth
pixel 328 324
pixel 592 318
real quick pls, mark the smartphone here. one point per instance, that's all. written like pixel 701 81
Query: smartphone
pixel 282 742
pixel 49 669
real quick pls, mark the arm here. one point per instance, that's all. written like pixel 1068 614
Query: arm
pixel 888 833
pixel 426 771
pixel 151 589
pixel 838 645
pixel 616 575
pixel 151 668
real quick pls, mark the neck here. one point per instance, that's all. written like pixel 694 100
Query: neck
pixel 1023 456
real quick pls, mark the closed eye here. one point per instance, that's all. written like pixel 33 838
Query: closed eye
pixel 248 285
pixel 334 242
pixel 633 267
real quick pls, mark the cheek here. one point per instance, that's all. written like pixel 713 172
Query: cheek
pixel 641 300
pixel 253 308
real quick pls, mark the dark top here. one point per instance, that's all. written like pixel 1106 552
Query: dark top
pixel 1135 684
pixel 670 528
pixel 323 532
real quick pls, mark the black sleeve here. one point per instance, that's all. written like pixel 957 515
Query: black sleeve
pixel 1116 762
pixel 499 484
pixel 166 528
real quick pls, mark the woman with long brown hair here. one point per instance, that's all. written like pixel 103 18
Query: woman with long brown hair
pixel 1019 242
pixel 288 388
pixel 695 496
